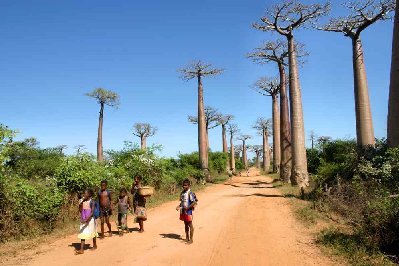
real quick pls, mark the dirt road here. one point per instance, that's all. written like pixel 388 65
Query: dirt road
pixel 242 222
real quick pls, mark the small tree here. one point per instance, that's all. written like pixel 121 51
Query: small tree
pixel 284 19
pixel 244 138
pixel 271 87
pixel 233 129
pixel 262 125
pixel 143 131
pixel 199 70
pixel 103 97
pixel 363 13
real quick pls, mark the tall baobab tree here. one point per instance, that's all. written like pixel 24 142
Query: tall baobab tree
pixel 103 97
pixel 79 148
pixel 262 125
pixel 284 19
pixel 393 106
pixel 212 117
pixel 277 52
pixel 363 13
pixel 199 70
pixel 312 138
pixel 223 122
pixel 143 131
pixel 258 150
pixel 244 138
pixel 233 129
pixel 271 87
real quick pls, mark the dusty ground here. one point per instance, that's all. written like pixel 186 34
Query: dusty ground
pixel 242 222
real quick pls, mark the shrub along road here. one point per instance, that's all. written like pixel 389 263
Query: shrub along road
pixel 242 222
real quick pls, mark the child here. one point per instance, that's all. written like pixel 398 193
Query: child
pixel 88 228
pixel 104 198
pixel 123 207
pixel 188 201
pixel 138 202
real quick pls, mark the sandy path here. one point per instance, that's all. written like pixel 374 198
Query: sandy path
pixel 243 222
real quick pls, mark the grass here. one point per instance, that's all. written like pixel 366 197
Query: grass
pixel 336 240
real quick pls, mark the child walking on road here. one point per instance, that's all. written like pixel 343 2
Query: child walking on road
pixel 139 203
pixel 104 198
pixel 123 208
pixel 88 228
pixel 188 201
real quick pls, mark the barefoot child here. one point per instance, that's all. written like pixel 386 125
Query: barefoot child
pixel 138 203
pixel 188 201
pixel 88 228
pixel 123 207
pixel 104 198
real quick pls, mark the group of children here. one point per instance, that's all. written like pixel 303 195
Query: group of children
pixel 90 210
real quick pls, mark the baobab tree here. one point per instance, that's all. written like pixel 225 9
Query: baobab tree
pixel 61 148
pixel 233 129
pixel 363 13
pixel 271 87
pixel 199 70
pixel 393 106
pixel 244 138
pixel 103 97
pixel 277 52
pixel 285 18
pixel 312 138
pixel 262 125
pixel 212 117
pixel 258 150
pixel 223 121
pixel 79 148
pixel 143 131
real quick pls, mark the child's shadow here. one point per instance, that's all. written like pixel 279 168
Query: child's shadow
pixel 171 236
pixel 77 246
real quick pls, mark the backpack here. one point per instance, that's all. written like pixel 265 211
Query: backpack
pixel 96 212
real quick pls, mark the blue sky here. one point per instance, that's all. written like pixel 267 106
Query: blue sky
pixel 52 52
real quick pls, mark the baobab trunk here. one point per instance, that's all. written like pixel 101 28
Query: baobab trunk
pixel 393 102
pixel 202 135
pixel 276 135
pixel 257 163
pixel 300 174
pixel 244 155
pixel 232 155
pixel 266 153
pixel 143 142
pixel 225 149
pixel 100 134
pixel 364 121
pixel 285 131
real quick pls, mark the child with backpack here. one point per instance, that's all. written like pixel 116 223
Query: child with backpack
pixel 188 201
pixel 88 227
pixel 123 208
pixel 104 200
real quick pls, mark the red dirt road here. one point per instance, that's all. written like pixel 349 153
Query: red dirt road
pixel 242 222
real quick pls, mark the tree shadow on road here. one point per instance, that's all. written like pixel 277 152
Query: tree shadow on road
pixel 171 236
pixel 262 195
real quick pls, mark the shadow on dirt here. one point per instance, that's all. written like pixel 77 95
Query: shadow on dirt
pixel 171 236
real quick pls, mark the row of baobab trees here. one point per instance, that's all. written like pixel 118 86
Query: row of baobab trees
pixel 289 152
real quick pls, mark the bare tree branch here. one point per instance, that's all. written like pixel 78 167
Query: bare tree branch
pixel 289 15
pixel 144 130
pixel 267 86
pixel 198 69
pixel 212 117
pixel 362 13
pixel 263 124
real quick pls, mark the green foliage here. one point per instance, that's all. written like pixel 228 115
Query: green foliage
pixel 218 161
pixel 314 160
